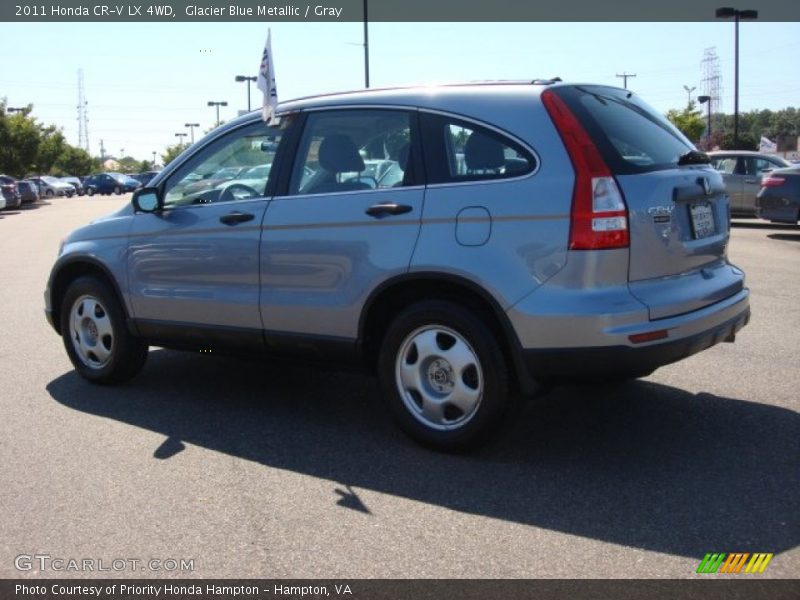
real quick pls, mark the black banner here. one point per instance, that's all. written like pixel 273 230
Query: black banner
pixel 394 589
pixel 380 10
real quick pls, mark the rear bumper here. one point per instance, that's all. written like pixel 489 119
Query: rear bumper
pixel 588 363
pixel 687 334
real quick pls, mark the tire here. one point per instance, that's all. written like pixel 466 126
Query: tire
pixel 95 335
pixel 444 376
pixel 90 191
pixel 49 193
pixel 117 190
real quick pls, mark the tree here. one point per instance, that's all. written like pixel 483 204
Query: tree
pixel 746 142
pixel 689 120
pixel 52 146
pixel 146 165
pixel 20 138
pixel 171 153
pixel 128 164
pixel 76 162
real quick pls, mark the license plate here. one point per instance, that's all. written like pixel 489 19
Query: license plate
pixel 702 220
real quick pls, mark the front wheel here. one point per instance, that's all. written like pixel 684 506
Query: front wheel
pixel 90 191
pixel 95 336
pixel 444 376
pixel 117 190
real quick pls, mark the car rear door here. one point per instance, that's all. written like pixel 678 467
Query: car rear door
pixel 338 228
pixel 678 215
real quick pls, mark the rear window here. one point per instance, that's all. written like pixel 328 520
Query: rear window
pixel 632 136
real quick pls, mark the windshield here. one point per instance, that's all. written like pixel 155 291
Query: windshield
pixel 48 179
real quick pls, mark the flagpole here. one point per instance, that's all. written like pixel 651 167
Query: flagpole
pixel 366 46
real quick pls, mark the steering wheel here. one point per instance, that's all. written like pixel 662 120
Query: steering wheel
pixel 238 191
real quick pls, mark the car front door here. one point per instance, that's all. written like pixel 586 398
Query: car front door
pixel 346 219
pixel 193 267
pixel 732 169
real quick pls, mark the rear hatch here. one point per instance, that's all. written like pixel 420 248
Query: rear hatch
pixel 678 208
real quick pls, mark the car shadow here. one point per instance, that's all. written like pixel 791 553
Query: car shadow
pixel 758 224
pixel 641 464
pixel 785 237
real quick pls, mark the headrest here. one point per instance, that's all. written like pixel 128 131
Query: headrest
pixel 482 152
pixel 338 154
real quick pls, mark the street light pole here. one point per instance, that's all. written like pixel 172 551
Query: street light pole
pixel 217 104
pixel 725 13
pixel 154 160
pixel 191 127
pixel 181 136
pixel 689 91
pixel 241 78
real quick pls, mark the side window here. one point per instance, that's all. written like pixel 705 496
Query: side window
pixel 725 165
pixel 462 151
pixel 353 150
pixel 235 167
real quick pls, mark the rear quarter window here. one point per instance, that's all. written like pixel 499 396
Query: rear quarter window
pixel 459 151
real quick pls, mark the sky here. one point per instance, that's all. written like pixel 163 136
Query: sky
pixel 144 81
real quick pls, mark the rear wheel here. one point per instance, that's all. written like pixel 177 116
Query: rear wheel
pixel 444 376
pixel 117 190
pixel 95 336
pixel 49 193
pixel 90 191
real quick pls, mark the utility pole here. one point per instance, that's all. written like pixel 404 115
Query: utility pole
pixel 102 152
pixel 366 46
pixel 624 76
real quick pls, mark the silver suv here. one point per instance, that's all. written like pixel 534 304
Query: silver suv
pixel 463 242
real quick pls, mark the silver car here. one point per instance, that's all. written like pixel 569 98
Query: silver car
pixel 536 232
pixel 742 171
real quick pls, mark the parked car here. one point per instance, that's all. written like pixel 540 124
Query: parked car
pixel 109 183
pixel 145 177
pixel 779 198
pixel 74 182
pixel 51 187
pixel 8 188
pixel 581 237
pixel 28 191
pixel 742 172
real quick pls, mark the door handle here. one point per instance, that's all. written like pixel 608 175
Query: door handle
pixel 750 181
pixel 388 208
pixel 235 218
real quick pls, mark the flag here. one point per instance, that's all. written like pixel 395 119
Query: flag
pixel 767 145
pixel 266 80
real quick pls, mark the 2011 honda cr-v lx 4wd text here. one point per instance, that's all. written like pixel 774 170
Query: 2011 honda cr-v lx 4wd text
pixel 463 242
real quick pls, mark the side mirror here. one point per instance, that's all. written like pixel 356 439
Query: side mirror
pixel 146 200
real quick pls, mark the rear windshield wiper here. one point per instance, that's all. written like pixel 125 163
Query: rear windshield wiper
pixel 694 157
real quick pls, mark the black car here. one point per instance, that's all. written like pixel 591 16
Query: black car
pixel 145 177
pixel 779 198
pixel 74 182
pixel 107 183
pixel 8 187
pixel 28 191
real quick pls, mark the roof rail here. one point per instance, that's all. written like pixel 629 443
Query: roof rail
pixel 550 81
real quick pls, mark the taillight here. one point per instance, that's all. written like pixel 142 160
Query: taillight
pixel 773 181
pixel 599 217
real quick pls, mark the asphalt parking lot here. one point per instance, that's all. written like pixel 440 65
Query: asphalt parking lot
pixel 254 469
